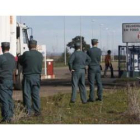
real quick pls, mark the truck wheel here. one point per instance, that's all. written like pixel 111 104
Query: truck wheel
pixel 19 78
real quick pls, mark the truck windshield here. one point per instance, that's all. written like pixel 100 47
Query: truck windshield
pixel 25 36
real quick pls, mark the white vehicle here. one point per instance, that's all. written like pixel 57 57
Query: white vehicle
pixel 17 35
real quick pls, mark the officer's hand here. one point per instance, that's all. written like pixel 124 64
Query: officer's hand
pixel 72 71
pixel 18 54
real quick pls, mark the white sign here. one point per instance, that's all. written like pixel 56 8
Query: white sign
pixel 42 49
pixel 131 32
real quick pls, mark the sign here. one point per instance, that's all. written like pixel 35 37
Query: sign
pixel 131 32
pixel 42 49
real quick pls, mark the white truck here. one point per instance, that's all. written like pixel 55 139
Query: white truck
pixel 17 35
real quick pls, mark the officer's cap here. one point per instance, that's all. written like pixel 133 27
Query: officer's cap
pixel 94 41
pixel 109 51
pixel 77 44
pixel 5 45
pixel 33 42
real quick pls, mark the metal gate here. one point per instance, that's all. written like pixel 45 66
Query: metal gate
pixel 133 61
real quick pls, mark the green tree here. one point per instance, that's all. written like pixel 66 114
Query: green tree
pixel 85 46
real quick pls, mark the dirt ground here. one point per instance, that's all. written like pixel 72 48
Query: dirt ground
pixel 62 83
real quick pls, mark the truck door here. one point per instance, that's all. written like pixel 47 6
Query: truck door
pixel 24 45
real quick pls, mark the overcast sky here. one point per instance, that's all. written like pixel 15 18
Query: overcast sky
pixel 49 30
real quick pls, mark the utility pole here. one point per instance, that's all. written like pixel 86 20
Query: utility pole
pixel 92 27
pixel 101 41
pixel 81 33
pixel 127 70
pixel 107 37
pixel 101 36
pixel 65 49
pixel 113 44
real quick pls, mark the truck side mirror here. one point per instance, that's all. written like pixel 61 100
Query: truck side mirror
pixel 18 32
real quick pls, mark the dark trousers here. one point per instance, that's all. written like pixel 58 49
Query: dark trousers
pixel 6 91
pixel 111 69
pixel 94 74
pixel 31 89
pixel 78 79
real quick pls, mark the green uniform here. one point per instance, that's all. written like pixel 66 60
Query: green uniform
pixel 7 67
pixel 32 67
pixel 94 72
pixel 78 62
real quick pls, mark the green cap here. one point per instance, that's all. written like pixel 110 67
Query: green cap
pixel 77 44
pixel 5 44
pixel 93 41
pixel 32 42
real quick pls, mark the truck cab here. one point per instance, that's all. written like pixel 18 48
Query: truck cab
pixel 22 40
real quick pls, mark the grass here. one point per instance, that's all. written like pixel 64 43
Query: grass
pixel 60 64
pixel 127 79
pixel 57 110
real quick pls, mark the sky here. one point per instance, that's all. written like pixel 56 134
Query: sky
pixel 49 30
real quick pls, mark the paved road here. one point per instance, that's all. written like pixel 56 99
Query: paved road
pixel 61 84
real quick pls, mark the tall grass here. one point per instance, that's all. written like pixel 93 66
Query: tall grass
pixel 19 112
pixel 133 101
pixel 119 106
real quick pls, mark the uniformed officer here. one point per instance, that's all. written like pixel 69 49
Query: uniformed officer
pixel 32 66
pixel 94 71
pixel 77 65
pixel 7 69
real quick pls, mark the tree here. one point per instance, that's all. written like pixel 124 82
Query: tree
pixel 85 46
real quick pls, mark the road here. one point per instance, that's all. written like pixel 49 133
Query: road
pixel 61 84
